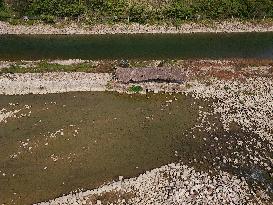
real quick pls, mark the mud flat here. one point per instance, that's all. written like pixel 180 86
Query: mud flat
pixel 215 27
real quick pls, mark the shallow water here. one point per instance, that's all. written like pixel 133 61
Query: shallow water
pixel 139 46
pixel 84 139
pixel 105 135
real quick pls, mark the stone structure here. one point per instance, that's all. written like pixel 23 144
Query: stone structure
pixel 158 74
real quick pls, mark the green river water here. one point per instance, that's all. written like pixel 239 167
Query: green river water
pixel 157 46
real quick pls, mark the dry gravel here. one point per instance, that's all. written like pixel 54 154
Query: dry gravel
pixel 223 26
pixel 42 83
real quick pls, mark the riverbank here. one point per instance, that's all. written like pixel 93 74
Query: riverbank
pixel 134 28
pixel 60 76
pixel 109 66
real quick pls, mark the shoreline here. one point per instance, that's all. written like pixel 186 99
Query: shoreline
pixel 102 29
pixel 132 190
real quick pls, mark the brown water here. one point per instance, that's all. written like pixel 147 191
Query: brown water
pixel 105 135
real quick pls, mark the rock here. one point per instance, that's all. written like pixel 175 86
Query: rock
pixel 126 75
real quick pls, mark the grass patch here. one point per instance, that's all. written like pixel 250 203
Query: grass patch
pixel 135 89
pixel 108 66
pixel 44 66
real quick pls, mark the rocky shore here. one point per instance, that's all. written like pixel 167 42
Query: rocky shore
pixel 170 184
pixel 73 28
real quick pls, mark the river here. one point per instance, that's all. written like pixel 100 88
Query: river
pixel 144 46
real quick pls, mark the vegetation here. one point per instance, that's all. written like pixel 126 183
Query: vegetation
pixel 59 8
pixel 94 11
pixel 135 88
pixel 4 13
pixel 109 66
pixel 179 10
pixel 44 66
